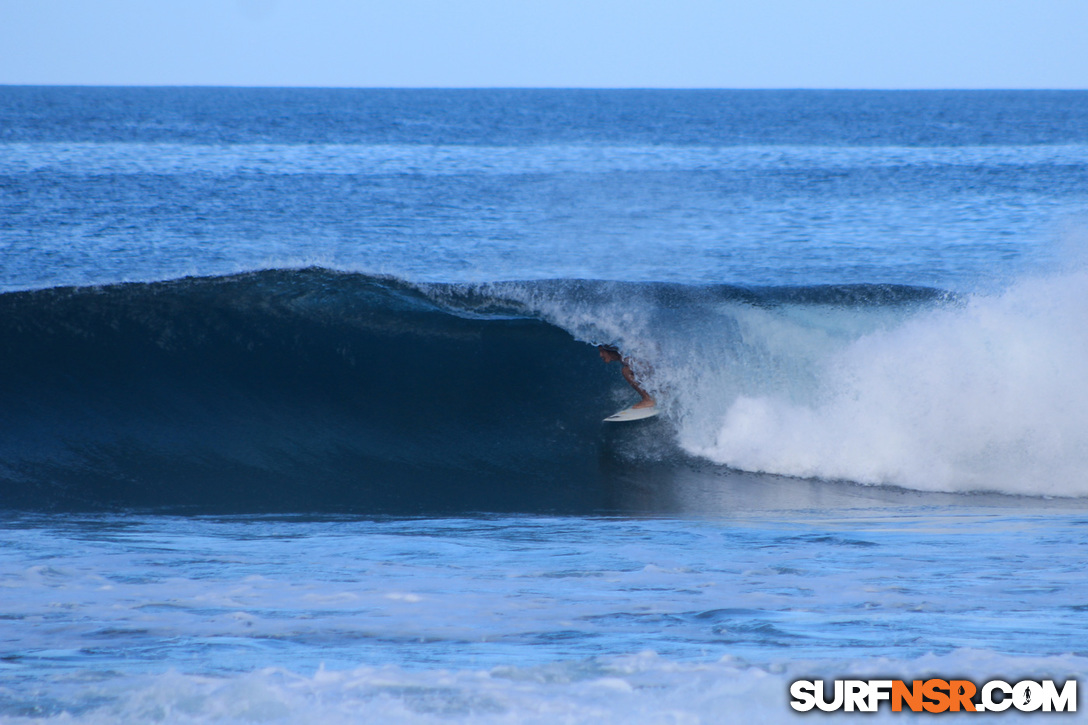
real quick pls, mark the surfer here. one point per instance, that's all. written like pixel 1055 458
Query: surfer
pixel 611 354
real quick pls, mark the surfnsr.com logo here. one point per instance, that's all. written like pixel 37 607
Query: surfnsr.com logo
pixel 934 695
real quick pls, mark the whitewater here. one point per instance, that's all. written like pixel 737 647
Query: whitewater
pixel 301 407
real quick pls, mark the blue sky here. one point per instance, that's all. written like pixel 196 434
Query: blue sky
pixel 551 43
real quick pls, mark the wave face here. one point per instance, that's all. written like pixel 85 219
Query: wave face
pixel 311 390
pixel 291 390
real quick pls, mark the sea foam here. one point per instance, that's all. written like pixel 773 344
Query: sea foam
pixel 641 688
pixel 988 394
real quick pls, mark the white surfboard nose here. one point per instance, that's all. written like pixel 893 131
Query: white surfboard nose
pixel 629 414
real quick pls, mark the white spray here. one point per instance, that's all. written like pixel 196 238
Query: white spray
pixel 989 395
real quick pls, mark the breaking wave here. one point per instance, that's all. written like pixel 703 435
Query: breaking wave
pixel 311 389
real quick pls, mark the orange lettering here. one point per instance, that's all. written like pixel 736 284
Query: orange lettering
pixel 938 700
pixel 961 693
pixel 913 695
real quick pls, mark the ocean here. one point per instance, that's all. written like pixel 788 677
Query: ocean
pixel 301 406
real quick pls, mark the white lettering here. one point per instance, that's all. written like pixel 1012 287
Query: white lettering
pixel 804 695
pixel 857 695
pixel 1066 701
pixel 866 695
pixel 824 704
pixel 1027 696
pixel 878 690
pixel 987 695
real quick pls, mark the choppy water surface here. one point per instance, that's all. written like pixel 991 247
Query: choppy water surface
pixel 566 607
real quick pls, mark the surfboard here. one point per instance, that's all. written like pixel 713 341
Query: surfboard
pixel 629 414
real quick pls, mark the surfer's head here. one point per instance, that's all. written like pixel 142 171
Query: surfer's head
pixel 609 353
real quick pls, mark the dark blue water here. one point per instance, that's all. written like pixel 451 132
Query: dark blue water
pixel 300 409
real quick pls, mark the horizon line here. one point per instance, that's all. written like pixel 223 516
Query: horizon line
pixel 260 86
